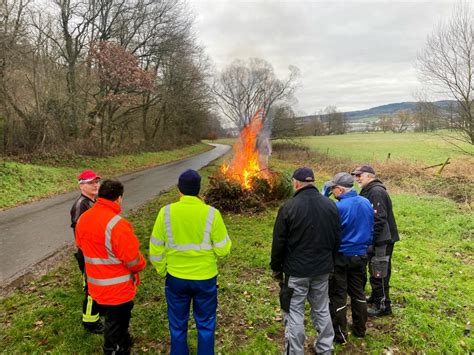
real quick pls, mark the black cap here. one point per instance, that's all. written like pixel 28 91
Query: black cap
pixel 189 183
pixel 363 169
pixel 303 174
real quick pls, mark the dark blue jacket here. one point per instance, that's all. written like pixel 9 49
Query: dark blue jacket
pixel 357 221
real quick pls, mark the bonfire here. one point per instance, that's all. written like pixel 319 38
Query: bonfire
pixel 245 183
pixel 247 163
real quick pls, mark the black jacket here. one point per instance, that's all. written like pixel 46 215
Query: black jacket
pixel 306 235
pixel 82 204
pixel 385 227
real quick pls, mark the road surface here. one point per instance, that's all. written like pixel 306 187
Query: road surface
pixel 32 233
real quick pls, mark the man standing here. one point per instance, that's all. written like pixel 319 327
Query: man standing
pixel 385 235
pixel 357 221
pixel 305 238
pixel 187 238
pixel 89 183
pixel 113 262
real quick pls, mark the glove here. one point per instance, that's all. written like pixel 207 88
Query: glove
pixel 136 279
pixel 326 191
pixel 277 275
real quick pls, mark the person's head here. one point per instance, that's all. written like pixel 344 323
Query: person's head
pixel 189 183
pixel 340 184
pixel 363 175
pixel 111 190
pixel 89 183
pixel 302 177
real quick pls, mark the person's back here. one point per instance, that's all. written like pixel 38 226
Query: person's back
pixel 113 262
pixel 190 251
pixel 305 239
pixel 357 221
pixel 313 233
pixel 186 240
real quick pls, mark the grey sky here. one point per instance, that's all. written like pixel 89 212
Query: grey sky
pixel 352 54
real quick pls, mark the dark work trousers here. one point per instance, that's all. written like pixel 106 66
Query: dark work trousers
pixel 380 296
pixel 203 293
pixel 349 278
pixel 117 339
pixel 90 308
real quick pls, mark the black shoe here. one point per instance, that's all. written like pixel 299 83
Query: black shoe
pixel 94 328
pixel 377 312
pixel 369 300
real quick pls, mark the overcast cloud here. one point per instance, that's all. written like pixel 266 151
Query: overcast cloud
pixel 352 54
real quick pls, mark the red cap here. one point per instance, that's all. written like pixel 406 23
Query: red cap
pixel 87 176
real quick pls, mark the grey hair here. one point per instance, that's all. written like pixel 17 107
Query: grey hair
pixel 346 189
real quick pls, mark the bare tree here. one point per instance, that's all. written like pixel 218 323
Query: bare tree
pixel 447 62
pixel 402 120
pixel 385 123
pixel 284 121
pixel 335 119
pixel 245 87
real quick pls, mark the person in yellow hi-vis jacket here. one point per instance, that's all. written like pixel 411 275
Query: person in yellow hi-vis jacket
pixel 187 238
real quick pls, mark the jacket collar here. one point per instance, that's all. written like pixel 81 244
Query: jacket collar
pixel 108 204
pixel 348 194
pixel 190 199
pixel 306 188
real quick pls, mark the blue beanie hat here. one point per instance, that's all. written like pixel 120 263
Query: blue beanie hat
pixel 189 182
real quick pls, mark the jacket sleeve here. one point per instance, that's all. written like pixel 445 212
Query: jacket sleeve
pixel 126 247
pixel 381 228
pixel 221 243
pixel 157 245
pixel 280 240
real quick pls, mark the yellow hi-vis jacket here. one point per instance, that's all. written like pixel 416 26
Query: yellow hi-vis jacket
pixel 187 238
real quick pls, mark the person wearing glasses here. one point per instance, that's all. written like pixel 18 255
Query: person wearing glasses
pixel 385 236
pixel 350 263
pixel 89 183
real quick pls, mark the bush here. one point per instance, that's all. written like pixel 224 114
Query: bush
pixel 230 196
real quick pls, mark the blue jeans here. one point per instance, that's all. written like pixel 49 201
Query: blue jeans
pixel 203 293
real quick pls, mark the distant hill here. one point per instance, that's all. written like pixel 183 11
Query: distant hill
pixel 375 112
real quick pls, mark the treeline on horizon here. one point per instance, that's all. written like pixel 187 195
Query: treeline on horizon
pixel 101 77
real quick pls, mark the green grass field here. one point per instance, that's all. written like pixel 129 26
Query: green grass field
pixel 21 183
pixel 432 291
pixel 424 148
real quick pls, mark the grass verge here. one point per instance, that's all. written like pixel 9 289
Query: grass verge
pixel 21 183
pixel 432 291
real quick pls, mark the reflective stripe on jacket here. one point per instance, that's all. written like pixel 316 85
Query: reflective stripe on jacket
pixel 111 253
pixel 187 238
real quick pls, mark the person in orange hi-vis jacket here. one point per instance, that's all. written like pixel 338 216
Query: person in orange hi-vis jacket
pixel 113 262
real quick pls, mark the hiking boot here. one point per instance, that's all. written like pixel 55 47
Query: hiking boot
pixel 94 328
pixel 377 312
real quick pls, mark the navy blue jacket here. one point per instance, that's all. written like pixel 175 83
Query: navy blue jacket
pixel 357 221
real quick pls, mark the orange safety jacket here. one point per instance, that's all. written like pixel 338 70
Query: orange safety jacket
pixel 111 253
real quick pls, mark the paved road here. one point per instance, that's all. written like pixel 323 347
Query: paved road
pixel 34 232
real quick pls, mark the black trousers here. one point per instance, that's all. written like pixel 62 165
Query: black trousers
pixel 349 278
pixel 380 296
pixel 117 339
pixel 90 308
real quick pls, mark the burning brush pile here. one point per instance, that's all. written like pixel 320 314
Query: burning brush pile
pixel 246 184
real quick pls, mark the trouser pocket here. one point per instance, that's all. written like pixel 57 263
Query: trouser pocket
pixel 379 266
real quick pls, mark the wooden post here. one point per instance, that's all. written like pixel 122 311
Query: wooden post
pixel 442 166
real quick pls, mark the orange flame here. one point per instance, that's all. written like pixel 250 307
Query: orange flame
pixel 246 163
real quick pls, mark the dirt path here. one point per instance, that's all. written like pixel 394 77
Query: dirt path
pixel 35 232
